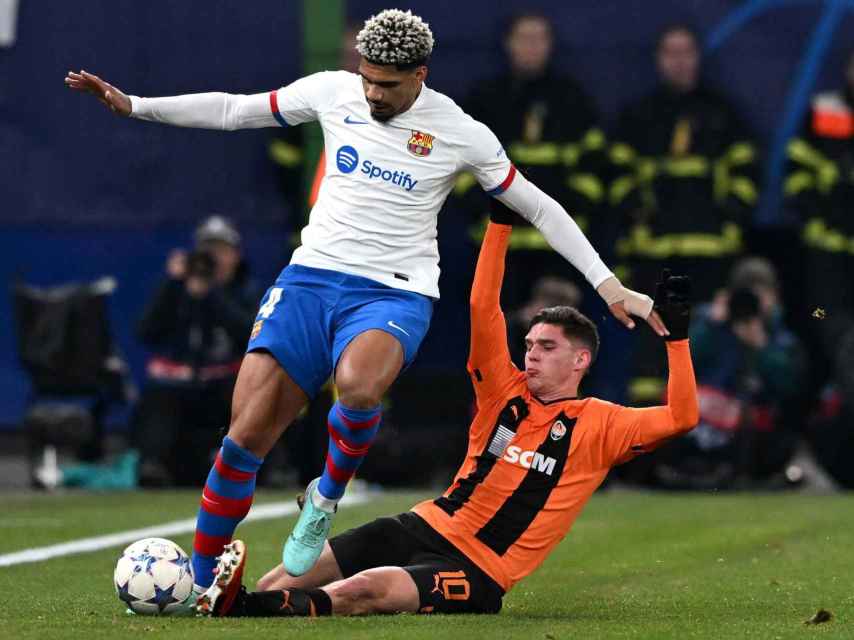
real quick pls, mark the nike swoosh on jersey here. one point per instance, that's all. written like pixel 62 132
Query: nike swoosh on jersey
pixel 349 120
pixel 394 326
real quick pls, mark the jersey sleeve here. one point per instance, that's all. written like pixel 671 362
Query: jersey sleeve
pixel 483 155
pixel 489 362
pixel 631 431
pixel 304 100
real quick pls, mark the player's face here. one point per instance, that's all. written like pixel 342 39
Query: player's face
pixel 679 60
pixel 388 90
pixel 551 359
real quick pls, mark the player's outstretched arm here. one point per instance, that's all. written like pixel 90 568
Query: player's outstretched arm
pixel 640 430
pixel 489 356
pixel 563 234
pixel 223 111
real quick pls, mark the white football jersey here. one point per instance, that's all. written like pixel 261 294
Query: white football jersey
pixel 385 182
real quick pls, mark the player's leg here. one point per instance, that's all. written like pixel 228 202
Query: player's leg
pixel 382 543
pixel 325 571
pixel 289 360
pixel 377 335
pixel 381 590
pixel 438 584
pixel 266 400
pixel 366 370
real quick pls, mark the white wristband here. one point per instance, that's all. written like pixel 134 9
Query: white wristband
pixel 636 304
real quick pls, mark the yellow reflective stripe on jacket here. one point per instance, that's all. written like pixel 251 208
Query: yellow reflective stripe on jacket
pixel 593 140
pixel 798 182
pixel 826 171
pixel 542 154
pixel 285 154
pixel 818 235
pixel 587 184
pixel 640 242
pixel 621 187
pixel 744 189
pixel 551 153
pixel 739 186
pixel 523 237
pixel 684 166
pixel 740 153
pixel 803 153
pixel 464 182
pixel 622 153
pixel 645 389
pixel 571 154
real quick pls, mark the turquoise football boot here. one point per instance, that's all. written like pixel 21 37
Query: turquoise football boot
pixel 304 545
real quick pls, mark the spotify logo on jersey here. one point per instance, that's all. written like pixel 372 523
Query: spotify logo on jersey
pixel 347 159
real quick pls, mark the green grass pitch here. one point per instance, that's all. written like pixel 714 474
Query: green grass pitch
pixel 636 565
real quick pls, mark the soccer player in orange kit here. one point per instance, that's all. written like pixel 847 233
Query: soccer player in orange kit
pixel 536 454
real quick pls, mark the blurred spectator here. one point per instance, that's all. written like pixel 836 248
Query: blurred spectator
pixel 820 186
pixel 197 326
pixel 548 126
pixel 749 369
pixel 684 185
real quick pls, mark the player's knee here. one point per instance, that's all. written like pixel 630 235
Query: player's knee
pixel 357 394
pixel 361 593
pixel 251 440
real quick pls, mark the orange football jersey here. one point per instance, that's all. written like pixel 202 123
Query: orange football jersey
pixel 532 465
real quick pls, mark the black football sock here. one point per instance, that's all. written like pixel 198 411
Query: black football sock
pixel 285 602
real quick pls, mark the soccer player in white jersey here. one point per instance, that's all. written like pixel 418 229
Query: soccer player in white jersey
pixel 357 297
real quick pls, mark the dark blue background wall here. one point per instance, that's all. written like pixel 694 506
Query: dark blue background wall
pixel 85 194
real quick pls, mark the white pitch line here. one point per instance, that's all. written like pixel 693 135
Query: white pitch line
pixel 176 527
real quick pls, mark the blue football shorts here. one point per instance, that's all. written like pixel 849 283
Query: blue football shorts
pixel 309 316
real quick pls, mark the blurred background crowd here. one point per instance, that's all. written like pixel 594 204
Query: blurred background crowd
pixel 712 137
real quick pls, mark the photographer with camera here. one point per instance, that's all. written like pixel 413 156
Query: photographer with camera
pixel 197 326
pixel 749 369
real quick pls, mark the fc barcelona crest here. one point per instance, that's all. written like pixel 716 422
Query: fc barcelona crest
pixel 420 143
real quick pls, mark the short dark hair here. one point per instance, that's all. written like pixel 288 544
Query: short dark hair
pixel 574 324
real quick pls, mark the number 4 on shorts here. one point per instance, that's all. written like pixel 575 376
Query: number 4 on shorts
pixel 268 307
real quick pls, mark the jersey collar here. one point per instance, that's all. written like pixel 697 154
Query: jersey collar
pixel 548 402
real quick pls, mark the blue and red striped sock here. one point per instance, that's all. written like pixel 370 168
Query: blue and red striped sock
pixel 351 433
pixel 225 502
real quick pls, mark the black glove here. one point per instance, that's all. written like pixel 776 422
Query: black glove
pixel 673 304
pixel 500 213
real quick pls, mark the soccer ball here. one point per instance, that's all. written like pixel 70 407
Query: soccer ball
pixel 154 577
